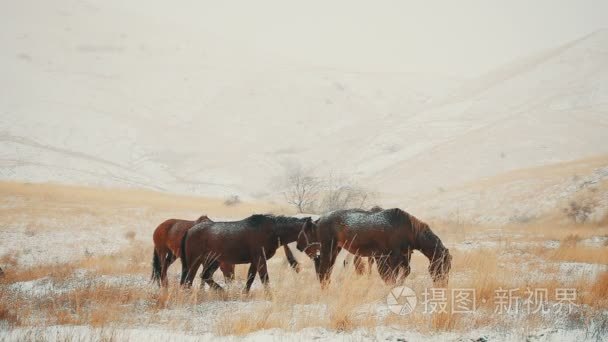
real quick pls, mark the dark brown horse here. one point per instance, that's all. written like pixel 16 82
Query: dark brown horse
pixel 358 259
pixel 389 236
pixel 167 244
pixel 250 241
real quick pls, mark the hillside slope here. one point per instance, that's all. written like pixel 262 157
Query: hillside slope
pixel 148 101
pixel 168 105
pixel 553 110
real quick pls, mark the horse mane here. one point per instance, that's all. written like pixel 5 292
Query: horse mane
pixel 257 219
pixel 419 227
pixel 376 209
pixel 202 219
pixel 288 219
pixel 280 219
pixel 426 240
pixel 431 246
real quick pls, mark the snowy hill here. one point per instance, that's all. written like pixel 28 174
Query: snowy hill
pixel 91 98
pixel 546 109
pixel 145 105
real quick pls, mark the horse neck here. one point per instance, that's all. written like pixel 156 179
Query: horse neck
pixel 287 229
pixel 429 244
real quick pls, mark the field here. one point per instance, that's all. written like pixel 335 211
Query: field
pixel 77 265
pixel 118 115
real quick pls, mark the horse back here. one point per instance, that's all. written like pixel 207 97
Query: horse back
pixel 235 242
pixel 169 234
pixel 361 227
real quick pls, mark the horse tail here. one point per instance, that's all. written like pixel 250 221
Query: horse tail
pixel 182 254
pixel 155 268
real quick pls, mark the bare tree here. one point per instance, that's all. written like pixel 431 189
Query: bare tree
pixel 302 189
pixel 581 211
pixel 342 193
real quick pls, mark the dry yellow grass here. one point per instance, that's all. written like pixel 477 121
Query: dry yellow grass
pixel 112 290
pixel 40 200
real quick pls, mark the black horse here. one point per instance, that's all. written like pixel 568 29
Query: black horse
pixel 388 236
pixel 250 241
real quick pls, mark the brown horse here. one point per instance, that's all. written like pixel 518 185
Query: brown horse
pixel 167 244
pixel 252 240
pixel 388 236
pixel 358 259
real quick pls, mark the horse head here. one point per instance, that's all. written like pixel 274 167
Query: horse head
pixel 440 266
pixel 308 241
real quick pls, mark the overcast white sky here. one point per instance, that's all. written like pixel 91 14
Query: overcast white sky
pixel 460 38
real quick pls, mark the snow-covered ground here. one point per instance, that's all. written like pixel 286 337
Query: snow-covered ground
pixel 59 333
pixel 66 258
pixel 130 94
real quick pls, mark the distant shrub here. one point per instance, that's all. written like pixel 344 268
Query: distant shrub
pixel 579 212
pixel 10 258
pixel 571 240
pixel 342 193
pixel 130 235
pixel 232 200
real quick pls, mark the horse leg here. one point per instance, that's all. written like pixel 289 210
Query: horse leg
pixel 382 262
pixel 317 263
pixel 329 252
pixel 170 258
pixel 359 266
pixel 253 269
pixel 263 272
pixel 347 260
pixel 207 275
pixel 394 263
pixel 161 254
pixel 405 266
pixel 334 254
pixel 156 267
pixel 291 259
pixel 188 276
pixel 228 271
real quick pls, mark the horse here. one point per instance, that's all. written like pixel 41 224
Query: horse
pixel 357 259
pixel 167 238
pixel 167 244
pixel 388 236
pixel 250 241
